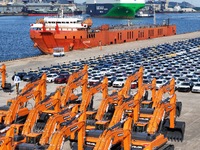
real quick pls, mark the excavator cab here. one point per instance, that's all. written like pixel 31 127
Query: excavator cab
pixel 140 127
pixel 101 125
pixel 33 138
pixel 146 104
pixel 90 121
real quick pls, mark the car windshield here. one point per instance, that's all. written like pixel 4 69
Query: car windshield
pixel 96 78
pixel 194 80
pixel 120 79
pixel 51 75
pixel 181 79
pixel 159 82
pixel 62 76
pixel 198 84
pixel 184 83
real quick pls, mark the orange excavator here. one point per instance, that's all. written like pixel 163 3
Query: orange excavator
pixel 6 142
pixel 76 80
pixel 108 105
pixel 125 109
pixel 116 136
pixel 5 86
pixel 54 122
pixel 17 110
pixel 149 135
pixel 156 130
pixel 69 128
pixel 125 91
pixel 148 106
pixel 87 99
pixel 37 119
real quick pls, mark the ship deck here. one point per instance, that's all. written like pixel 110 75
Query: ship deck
pixel 190 110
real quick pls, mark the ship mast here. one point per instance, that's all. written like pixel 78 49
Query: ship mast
pixel 61 12
pixel 154 14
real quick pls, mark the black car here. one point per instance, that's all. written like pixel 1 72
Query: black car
pixel 30 76
pixel 111 79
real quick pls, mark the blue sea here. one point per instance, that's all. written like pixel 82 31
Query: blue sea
pixel 15 42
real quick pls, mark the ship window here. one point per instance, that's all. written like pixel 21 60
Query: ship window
pixel 160 31
pixel 67 22
pixel 127 35
pixel 132 34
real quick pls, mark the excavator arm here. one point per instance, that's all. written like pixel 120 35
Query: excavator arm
pixel 168 87
pixel 160 114
pixel 54 123
pixel 77 75
pixel 15 109
pixel 71 86
pixel 127 86
pixel 132 107
pixel 72 127
pixel 34 113
pixel 6 143
pixel 3 75
pixel 116 135
pixel 114 99
pixel 88 96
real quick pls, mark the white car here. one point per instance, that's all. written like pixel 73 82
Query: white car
pixel 160 83
pixel 94 80
pixel 103 71
pixel 184 87
pixel 196 88
pixel 119 82
pixel 51 77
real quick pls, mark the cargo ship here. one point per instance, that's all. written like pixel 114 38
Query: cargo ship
pixel 46 9
pixel 41 12
pixel 114 8
pixel 74 33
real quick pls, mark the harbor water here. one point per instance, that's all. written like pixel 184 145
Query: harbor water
pixel 16 43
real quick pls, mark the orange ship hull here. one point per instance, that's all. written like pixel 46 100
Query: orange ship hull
pixel 45 40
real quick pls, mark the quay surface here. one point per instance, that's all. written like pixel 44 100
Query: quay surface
pixel 191 101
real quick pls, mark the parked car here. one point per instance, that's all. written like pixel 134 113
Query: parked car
pixel 196 88
pixel 20 74
pixel 63 78
pixel 111 79
pixel 160 83
pixel 134 85
pixel 95 80
pixel 184 87
pixel 30 76
pixel 119 82
pixel 51 77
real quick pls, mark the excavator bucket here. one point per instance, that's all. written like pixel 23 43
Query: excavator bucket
pixel 176 133
pixel 7 87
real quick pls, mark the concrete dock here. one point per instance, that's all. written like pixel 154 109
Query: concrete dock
pixel 191 101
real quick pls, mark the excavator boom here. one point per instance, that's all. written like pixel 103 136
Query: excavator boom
pixel 72 127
